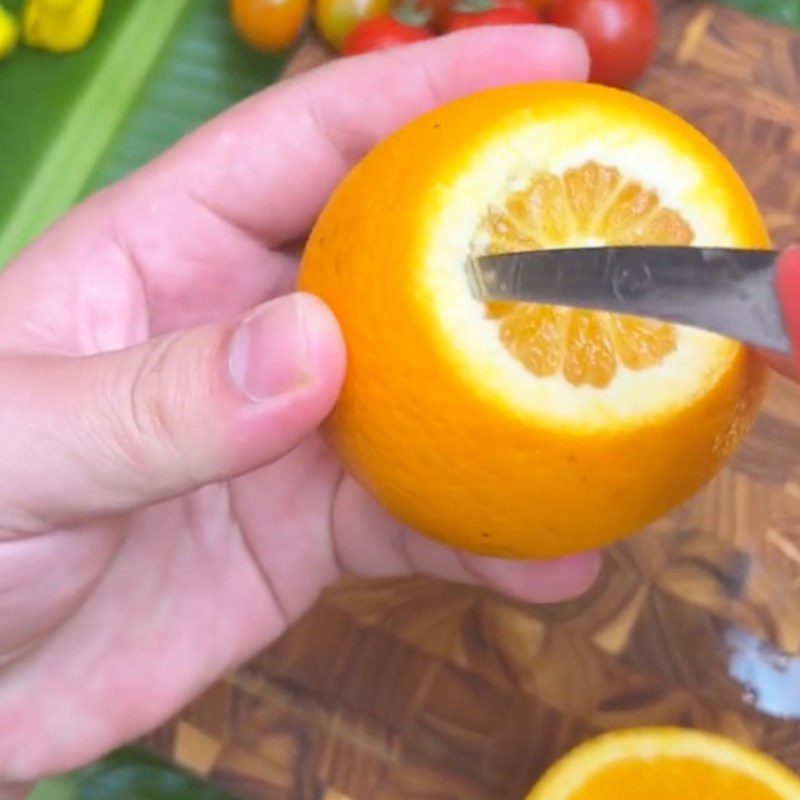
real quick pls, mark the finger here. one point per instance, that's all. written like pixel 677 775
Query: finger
pixel 788 286
pixel 783 365
pixel 371 544
pixel 537 581
pixel 258 175
pixel 128 428
pixel 322 122
pixel 17 791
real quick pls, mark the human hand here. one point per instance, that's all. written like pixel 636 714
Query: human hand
pixel 166 508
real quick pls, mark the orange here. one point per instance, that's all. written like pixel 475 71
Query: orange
pixel 512 429
pixel 663 764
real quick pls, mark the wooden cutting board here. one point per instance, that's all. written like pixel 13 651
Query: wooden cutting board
pixel 417 689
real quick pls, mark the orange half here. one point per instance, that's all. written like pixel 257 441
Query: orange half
pixel 664 764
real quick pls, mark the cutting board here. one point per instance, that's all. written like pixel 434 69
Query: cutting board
pixel 418 689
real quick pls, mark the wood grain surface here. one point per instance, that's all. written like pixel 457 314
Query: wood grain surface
pixel 418 689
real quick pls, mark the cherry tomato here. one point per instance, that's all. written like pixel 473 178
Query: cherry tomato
pixel 540 6
pixel 620 35
pixel 378 33
pixel 439 10
pixel 334 19
pixel 269 25
pixel 504 13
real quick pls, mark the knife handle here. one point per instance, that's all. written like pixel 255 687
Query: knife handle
pixel 788 284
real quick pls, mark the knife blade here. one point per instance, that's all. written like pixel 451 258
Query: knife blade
pixel 727 291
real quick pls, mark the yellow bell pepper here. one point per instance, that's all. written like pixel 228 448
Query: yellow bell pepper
pixel 9 33
pixel 60 26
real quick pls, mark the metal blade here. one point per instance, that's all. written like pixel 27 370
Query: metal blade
pixel 726 291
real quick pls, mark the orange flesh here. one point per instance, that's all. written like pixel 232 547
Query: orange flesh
pixel 590 202
pixel 668 778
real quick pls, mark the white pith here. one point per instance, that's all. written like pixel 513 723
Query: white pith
pixel 504 161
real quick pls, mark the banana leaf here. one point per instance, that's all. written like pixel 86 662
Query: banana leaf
pixel 69 124
pixel 129 774
pixel 784 12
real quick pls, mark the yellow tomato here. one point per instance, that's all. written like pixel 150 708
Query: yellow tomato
pixel 269 25
pixel 60 26
pixel 336 18
pixel 9 33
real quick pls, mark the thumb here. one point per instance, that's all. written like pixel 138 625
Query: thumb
pixel 87 437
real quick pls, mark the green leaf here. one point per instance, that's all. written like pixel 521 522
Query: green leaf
pixel 70 123
pixel 205 69
pixel 785 12
pixel 56 789
pixel 105 81
pixel 129 774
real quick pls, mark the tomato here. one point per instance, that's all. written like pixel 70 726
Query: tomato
pixel 335 19
pixel 504 13
pixel 439 10
pixel 540 6
pixel 269 25
pixel 378 33
pixel 620 35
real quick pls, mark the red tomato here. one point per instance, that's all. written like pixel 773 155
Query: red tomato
pixel 381 32
pixel 620 34
pixel 442 10
pixel 334 19
pixel 539 5
pixel 438 9
pixel 505 13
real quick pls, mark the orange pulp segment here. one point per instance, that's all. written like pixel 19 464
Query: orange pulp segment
pixel 668 777
pixel 588 203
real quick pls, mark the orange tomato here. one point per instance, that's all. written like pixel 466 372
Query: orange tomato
pixel 335 19
pixel 270 26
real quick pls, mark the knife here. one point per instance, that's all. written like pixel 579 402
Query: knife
pixel 738 293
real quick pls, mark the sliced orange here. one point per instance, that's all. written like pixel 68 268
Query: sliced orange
pixel 526 430
pixel 663 764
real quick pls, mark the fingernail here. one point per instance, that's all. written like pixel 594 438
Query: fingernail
pixel 269 353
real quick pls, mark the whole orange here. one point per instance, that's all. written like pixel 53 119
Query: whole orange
pixel 525 430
